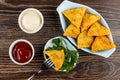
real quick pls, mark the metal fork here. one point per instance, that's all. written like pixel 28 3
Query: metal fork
pixel 46 65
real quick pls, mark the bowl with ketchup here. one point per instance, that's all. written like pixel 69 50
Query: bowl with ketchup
pixel 21 52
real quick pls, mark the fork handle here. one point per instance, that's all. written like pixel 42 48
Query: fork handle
pixel 31 77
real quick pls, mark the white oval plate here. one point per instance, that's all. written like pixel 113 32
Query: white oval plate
pixel 66 44
pixel 68 5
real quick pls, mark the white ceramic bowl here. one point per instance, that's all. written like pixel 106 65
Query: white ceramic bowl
pixel 11 48
pixel 22 14
pixel 65 5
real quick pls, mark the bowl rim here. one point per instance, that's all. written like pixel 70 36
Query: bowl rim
pixel 11 48
pixel 21 15
pixel 61 8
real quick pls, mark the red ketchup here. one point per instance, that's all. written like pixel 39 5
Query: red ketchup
pixel 22 52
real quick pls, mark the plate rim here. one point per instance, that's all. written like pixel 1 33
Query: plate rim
pixel 66 42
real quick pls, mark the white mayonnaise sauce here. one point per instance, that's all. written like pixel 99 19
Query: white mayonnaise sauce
pixel 31 21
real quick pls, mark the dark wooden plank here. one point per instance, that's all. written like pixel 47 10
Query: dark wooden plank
pixel 89 67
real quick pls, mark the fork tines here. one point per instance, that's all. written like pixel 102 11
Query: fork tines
pixel 48 63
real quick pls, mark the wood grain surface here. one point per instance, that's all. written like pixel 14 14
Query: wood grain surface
pixel 89 67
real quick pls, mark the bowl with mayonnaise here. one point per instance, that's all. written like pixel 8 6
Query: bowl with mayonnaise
pixel 30 20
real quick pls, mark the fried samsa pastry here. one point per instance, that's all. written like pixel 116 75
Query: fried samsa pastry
pixel 102 43
pixel 98 30
pixel 57 57
pixel 88 20
pixel 84 41
pixel 75 15
pixel 72 31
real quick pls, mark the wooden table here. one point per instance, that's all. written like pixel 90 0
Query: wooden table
pixel 89 67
